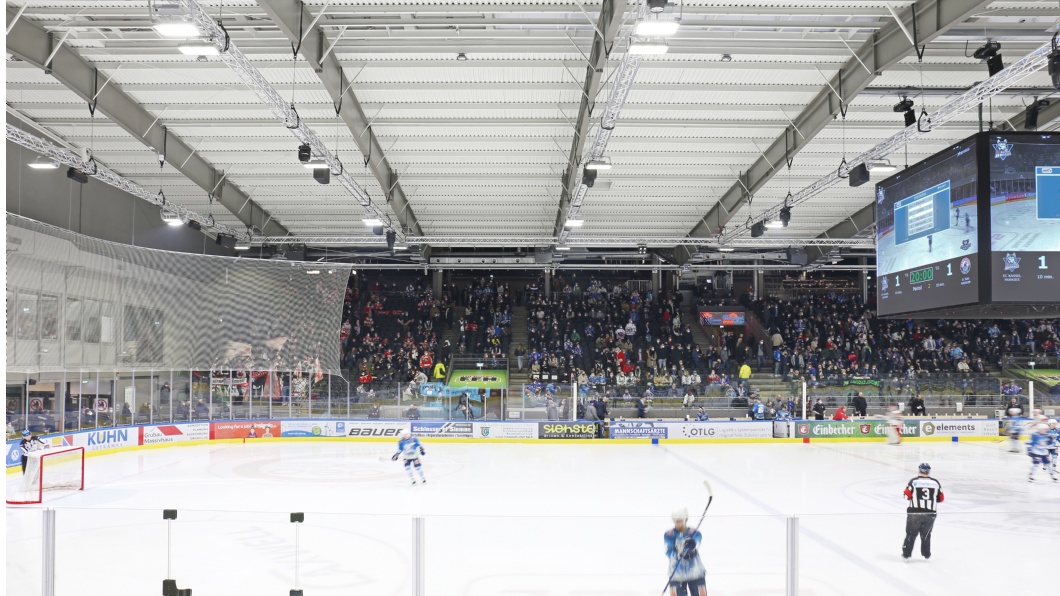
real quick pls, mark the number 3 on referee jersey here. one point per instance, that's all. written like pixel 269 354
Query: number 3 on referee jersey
pixel 926 494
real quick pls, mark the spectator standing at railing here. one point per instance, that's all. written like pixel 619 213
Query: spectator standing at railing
pixel 860 405
pixel 818 410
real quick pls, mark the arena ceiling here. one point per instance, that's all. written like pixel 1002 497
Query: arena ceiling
pixel 475 119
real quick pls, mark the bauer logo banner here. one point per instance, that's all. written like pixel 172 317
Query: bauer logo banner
pixel 442 429
pixel 312 428
pixel 638 430
pixel 959 428
pixel 245 430
pixel 505 430
pixel 174 433
pixel 566 430
pixel 372 428
pixel 848 429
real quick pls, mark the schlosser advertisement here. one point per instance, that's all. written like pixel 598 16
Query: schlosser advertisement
pixel 442 429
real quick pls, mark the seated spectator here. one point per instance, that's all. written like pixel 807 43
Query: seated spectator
pixel 702 415
pixel 413 413
pixel 916 406
pixel 202 410
pixel 840 414
pixel 689 399
pixel 374 412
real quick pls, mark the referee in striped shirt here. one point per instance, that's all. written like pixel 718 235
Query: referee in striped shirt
pixel 924 493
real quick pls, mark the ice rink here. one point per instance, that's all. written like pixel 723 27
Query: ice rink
pixel 540 520
pixel 1016 227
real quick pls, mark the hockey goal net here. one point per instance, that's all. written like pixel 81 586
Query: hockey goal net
pixel 49 469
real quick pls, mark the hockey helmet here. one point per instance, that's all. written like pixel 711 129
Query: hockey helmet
pixel 680 514
pixel 925 468
pixel 25 433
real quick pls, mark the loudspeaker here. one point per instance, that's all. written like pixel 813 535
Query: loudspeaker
pixel 226 241
pixel 859 175
pixel 798 256
pixel 322 175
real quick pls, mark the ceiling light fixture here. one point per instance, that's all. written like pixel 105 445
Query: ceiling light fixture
pixel 598 164
pixel 772 225
pixel 43 163
pixel 785 215
pixel 315 164
pixel 243 245
pixel 726 249
pixel 574 223
pixel 648 48
pixel 726 57
pixel 198 48
pixel 655 28
pixel 991 52
pixel 305 153
pixel 171 219
pixel 372 222
pixel 462 57
pixel 657 6
pixel 562 247
pixel 882 166
pixel 176 29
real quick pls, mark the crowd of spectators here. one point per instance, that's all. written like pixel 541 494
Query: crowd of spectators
pixel 621 342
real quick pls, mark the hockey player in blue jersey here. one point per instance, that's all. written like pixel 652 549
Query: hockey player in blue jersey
pixel 1013 428
pixel 1054 444
pixel 688 577
pixel 409 447
pixel 1038 449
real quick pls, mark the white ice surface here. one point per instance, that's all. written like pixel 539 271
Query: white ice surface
pixel 539 520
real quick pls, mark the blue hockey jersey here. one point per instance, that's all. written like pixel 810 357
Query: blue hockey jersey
pixel 686 569
pixel 409 448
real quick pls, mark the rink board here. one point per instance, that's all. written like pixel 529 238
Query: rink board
pixel 379 431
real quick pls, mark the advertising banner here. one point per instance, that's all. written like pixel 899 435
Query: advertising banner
pixel 312 428
pixel 851 429
pixel 638 430
pixel 375 428
pixel 174 433
pixel 566 430
pixel 628 429
pixel 443 429
pixel 505 430
pixel 14 454
pixel 250 429
pixel 959 428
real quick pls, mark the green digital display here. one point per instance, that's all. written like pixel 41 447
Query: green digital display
pixel 922 275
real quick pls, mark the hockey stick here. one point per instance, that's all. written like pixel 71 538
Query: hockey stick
pixel 710 499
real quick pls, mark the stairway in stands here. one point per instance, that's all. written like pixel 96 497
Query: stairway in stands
pixel 516 379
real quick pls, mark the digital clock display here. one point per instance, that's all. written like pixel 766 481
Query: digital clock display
pixel 921 275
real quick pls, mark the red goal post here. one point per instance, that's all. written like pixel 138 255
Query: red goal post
pixel 49 469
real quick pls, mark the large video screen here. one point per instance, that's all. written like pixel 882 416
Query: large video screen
pixel 927 233
pixel 1025 215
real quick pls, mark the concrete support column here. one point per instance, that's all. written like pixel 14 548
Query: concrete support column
pixel 548 283
pixel 436 281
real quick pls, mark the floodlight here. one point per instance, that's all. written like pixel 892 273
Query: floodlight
pixel 315 164
pixel 646 48
pixel 171 219
pixel 598 164
pixel 372 222
pixel 243 245
pixel 177 29
pixel 198 48
pixel 562 247
pixel 774 224
pixel 43 163
pixel 785 216
pixel 575 223
pixel 656 28
pixel 305 153
pixel 906 107
pixel 882 166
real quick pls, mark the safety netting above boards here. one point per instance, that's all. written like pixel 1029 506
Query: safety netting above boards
pixel 77 301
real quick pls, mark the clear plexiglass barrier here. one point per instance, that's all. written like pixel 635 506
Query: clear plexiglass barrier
pixel 223 552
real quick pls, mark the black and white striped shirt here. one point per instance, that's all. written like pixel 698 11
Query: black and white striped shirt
pixel 924 494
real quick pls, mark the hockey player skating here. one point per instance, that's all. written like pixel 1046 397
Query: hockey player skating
pixel 894 426
pixel 688 577
pixel 924 493
pixel 409 447
pixel 1013 428
pixel 1038 448
pixel 27 445
pixel 1054 444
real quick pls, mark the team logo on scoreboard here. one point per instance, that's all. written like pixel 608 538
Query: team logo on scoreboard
pixel 966 244
pixel 1012 262
pixel 1002 149
pixel 883 283
pixel 966 265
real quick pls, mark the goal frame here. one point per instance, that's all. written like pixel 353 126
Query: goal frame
pixel 47 453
